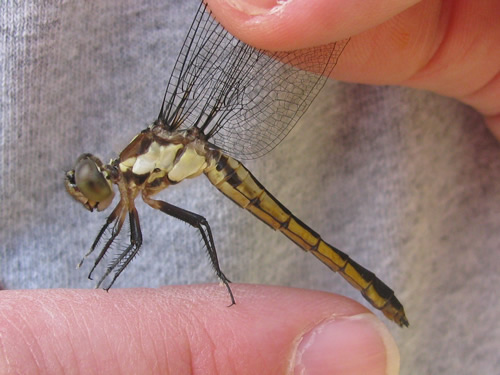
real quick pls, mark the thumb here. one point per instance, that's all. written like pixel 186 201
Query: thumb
pixel 278 25
pixel 190 329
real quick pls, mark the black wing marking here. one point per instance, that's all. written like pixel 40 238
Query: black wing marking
pixel 244 100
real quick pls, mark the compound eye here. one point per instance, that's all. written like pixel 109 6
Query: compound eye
pixel 91 182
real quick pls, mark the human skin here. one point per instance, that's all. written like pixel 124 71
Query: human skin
pixel 449 47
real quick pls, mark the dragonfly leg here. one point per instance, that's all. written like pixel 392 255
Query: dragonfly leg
pixel 117 217
pixel 129 253
pixel 200 223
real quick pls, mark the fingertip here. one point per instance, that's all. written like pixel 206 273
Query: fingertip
pixel 294 24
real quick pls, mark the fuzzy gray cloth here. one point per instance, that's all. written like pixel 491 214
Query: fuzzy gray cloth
pixel 407 182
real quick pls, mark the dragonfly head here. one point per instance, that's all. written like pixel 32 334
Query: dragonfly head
pixel 89 183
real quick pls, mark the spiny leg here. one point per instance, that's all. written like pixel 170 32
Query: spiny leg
pixel 129 253
pixel 117 227
pixel 200 223
pixel 111 218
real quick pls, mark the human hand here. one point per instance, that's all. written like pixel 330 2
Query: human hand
pixel 449 47
pixel 190 329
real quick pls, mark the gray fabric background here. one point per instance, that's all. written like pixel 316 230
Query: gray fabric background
pixel 405 181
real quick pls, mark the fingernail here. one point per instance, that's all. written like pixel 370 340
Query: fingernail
pixel 359 344
pixel 256 7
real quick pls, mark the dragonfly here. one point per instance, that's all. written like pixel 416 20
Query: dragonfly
pixel 225 101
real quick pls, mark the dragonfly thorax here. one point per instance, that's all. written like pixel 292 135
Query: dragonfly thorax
pixel 157 158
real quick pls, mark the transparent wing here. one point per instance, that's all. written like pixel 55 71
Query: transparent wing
pixel 244 100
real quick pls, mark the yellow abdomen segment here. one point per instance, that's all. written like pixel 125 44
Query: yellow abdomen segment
pixel 236 182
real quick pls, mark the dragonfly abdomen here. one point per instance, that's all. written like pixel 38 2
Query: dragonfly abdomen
pixel 236 182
